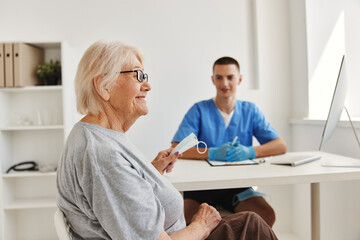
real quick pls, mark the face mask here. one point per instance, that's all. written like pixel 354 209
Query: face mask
pixel 188 142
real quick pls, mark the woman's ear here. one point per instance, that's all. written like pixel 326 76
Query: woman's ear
pixel 103 92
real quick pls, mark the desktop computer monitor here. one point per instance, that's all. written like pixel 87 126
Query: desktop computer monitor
pixel 336 108
pixel 337 104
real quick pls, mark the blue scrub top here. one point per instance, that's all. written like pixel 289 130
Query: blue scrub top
pixel 205 121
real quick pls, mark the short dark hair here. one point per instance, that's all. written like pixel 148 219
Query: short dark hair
pixel 226 61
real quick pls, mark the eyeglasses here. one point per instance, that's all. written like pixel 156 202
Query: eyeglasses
pixel 140 75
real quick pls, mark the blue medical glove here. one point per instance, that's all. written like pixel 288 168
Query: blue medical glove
pixel 219 153
pixel 240 152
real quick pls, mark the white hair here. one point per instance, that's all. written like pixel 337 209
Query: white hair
pixel 101 59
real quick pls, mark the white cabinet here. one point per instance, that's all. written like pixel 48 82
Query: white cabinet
pixel 32 128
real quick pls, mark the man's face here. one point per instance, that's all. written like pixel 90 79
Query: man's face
pixel 226 78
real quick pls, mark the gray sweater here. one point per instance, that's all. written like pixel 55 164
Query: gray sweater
pixel 108 190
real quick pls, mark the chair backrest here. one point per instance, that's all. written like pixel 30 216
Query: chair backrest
pixel 61 226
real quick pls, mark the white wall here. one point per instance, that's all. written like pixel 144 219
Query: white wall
pixel 340 212
pixel 180 41
pixel 333 30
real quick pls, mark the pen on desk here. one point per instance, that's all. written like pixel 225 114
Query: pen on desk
pixel 234 141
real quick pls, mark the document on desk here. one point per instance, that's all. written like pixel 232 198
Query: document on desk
pixel 244 162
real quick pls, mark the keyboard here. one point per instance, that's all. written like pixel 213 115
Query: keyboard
pixel 293 160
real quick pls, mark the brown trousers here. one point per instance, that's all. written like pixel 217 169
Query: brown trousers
pixel 242 226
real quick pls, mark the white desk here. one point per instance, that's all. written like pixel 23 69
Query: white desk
pixel 190 175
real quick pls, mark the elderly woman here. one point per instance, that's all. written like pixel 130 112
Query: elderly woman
pixel 107 188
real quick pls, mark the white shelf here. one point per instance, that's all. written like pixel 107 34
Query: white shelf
pixel 47 44
pixel 28 174
pixel 33 122
pixel 32 127
pixel 32 89
pixel 33 203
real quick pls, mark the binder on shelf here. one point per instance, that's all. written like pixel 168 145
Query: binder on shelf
pixel 8 67
pixel 2 66
pixel 26 60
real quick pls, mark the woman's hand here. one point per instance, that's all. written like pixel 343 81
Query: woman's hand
pixel 203 222
pixel 164 161
pixel 208 217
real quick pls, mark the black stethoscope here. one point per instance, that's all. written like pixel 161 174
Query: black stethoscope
pixel 24 166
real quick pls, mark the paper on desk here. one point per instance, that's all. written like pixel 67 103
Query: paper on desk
pixel 244 162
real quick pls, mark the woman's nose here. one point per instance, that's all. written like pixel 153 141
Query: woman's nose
pixel 145 86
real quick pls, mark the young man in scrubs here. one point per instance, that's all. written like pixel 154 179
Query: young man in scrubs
pixel 217 122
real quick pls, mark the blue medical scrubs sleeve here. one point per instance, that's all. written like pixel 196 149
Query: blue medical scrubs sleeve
pixel 190 124
pixel 262 129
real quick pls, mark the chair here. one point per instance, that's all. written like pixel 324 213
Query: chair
pixel 61 226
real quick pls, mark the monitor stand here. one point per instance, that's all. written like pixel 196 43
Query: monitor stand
pixel 344 163
pixel 352 126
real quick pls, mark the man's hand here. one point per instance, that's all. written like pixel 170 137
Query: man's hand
pixel 240 152
pixel 219 153
pixel 164 161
